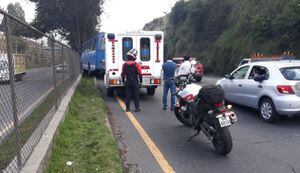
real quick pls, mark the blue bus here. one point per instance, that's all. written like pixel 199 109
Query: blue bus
pixel 93 54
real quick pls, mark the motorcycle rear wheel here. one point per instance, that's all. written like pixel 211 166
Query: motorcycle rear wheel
pixel 222 140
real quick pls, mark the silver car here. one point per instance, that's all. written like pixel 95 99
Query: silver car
pixel 273 87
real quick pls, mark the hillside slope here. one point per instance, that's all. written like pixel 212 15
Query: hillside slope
pixel 221 32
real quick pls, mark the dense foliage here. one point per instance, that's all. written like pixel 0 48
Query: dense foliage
pixel 221 32
pixel 75 20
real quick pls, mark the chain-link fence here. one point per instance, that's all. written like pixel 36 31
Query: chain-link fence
pixel 34 75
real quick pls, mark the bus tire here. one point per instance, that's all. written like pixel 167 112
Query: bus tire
pixel 89 69
pixel 110 92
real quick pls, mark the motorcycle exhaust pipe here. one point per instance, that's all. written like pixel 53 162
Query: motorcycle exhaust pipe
pixel 233 117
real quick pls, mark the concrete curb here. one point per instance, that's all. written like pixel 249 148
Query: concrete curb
pixel 39 158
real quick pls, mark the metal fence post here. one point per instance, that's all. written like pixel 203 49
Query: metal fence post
pixel 54 75
pixel 69 68
pixel 63 65
pixel 71 65
pixel 42 55
pixel 12 88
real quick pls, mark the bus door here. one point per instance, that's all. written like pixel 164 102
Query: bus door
pixel 146 56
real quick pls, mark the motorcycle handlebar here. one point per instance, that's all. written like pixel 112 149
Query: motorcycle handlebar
pixel 183 83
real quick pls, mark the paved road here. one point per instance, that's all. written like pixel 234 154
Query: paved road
pixel 33 86
pixel 258 146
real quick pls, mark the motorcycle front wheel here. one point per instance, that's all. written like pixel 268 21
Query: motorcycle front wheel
pixel 222 140
pixel 183 117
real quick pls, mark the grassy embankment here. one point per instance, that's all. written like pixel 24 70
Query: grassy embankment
pixel 83 137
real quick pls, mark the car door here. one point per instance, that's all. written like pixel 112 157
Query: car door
pixel 253 88
pixel 234 85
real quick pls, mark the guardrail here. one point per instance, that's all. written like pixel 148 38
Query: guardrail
pixel 34 76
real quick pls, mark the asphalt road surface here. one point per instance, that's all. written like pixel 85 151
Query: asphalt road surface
pixel 258 147
pixel 33 86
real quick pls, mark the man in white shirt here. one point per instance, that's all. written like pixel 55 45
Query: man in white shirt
pixel 186 67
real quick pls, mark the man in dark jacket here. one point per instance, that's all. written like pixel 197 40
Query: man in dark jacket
pixel 132 77
pixel 169 68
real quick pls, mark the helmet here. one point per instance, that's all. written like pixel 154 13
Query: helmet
pixel 133 53
pixel 193 62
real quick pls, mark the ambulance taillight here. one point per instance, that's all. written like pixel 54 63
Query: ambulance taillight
pixel 157 81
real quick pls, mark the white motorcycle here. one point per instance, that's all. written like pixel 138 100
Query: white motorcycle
pixel 203 109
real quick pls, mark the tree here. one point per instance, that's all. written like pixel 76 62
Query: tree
pixel 75 20
pixel 179 13
pixel 16 11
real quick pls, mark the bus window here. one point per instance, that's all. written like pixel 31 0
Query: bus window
pixel 83 48
pixel 94 44
pixel 145 49
pixel 88 46
pixel 127 46
pixel 102 44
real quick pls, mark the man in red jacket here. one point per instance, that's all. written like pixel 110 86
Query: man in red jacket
pixel 132 77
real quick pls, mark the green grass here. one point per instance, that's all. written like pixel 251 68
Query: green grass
pixel 83 137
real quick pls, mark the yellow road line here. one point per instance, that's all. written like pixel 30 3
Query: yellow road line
pixel 163 163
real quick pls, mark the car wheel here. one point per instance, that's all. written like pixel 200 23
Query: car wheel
pixel 267 111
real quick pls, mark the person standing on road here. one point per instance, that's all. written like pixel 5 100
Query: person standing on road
pixel 169 68
pixel 132 77
pixel 186 67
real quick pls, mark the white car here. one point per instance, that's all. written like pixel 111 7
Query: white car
pixel 273 87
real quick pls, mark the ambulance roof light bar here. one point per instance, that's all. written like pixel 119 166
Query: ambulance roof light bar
pixel 262 57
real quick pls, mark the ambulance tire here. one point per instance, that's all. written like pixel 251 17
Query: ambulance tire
pixel 110 92
pixel 121 92
pixel 19 77
pixel 150 91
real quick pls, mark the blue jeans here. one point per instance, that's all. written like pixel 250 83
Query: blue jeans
pixel 169 84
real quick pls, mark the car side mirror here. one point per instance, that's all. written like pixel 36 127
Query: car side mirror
pixel 259 78
pixel 227 76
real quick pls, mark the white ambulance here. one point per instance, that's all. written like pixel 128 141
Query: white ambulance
pixel 150 46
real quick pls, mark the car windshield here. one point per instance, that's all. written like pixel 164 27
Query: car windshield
pixel 291 73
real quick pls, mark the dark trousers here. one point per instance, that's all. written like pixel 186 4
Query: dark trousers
pixel 132 90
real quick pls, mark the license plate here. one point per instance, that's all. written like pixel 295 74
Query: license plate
pixel 225 121
pixel 146 81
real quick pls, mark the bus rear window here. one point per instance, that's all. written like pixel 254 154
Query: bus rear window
pixel 145 49
pixel 291 73
pixel 126 46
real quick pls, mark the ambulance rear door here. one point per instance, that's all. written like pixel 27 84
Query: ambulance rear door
pixel 145 57
pixel 126 43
